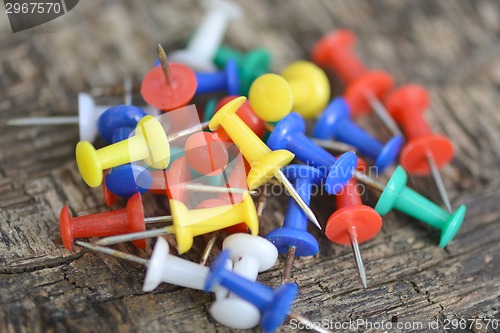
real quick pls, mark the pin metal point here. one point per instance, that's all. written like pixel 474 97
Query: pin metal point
pixel 308 323
pixel 357 257
pixel 261 202
pixel 208 249
pixel 168 230
pixel 114 253
pixel 164 65
pixel 369 181
pixel 383 114
pixel 293 193
pixel 288 266
pixel 334 145
pixel 439 181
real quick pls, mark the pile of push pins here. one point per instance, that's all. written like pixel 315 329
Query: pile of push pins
pixel 209 171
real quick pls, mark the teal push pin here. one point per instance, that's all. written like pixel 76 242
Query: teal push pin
pixel 397 195
pixel 251 65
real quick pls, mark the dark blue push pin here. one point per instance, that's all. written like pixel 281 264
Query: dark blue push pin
pixel 225 81
pixel 335 123
pixel 273 304
pixel 116 123
pixel 290 134
pixel 293 239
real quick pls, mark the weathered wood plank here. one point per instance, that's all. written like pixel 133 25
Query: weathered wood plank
pixel 451 47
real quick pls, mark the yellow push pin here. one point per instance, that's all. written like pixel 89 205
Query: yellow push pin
pixel 302 84
pixel 150 143
pixel 190 223
pixel 310 88
pixel 264 163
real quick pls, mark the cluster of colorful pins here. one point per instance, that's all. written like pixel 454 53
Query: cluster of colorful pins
pixel 209 177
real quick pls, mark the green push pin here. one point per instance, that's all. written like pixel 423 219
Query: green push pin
pixel 251 65
pixel 397 195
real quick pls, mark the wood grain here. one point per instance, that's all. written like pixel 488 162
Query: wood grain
pixel 451 47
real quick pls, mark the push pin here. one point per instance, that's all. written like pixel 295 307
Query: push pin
pixel 273 106
pixel 88 113
pixel 264 163
pixel 205 41
pixel 164 267
pixel 190 223
pixel 156 152
pixel 398 196
pixel 251 65
pixel 335 123
pixel 245 112
pixel 335 50
pixel 307 84
pixel 293 239
pixel 310 87
pixel 118 122
pixel 250 255
pixel 290 134
pixel 174 183
pixel 424 152
pixel 364 88
pixel 353 223
pixel 226 81
pixel 168 86
pixel 122 221
pixel 273 304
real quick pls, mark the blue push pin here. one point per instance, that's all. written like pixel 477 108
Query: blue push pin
pixel 225 81
pixel 335 123
pixel 116 123
pixel 289 134
pixel 273 304
pixel 293 239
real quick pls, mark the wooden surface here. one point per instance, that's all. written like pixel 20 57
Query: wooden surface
pixel 451 47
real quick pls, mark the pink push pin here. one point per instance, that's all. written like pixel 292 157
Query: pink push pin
pixel 169 86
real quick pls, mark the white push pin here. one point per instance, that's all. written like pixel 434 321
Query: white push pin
pixel 164 267
pixel 88 113
pixel 200 52
pixel 250 255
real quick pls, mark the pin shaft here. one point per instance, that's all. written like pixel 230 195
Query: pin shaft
pixel 309 324
pixel 334 145
pixel 293 193
pixel 382 113
pixel 436 175
pixel 188 131
pixel 288 266
pixel 114 253
pixel 216 189
pixel 164 65
pixel 158 219
pixel 63 120
pixel 368 181
pixel 358 260
pixel 135 236
pixel 208 248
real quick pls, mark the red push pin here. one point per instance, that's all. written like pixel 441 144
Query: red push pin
pixel 353 223
pixel 365 88
pixel 117 222
pixel 169 86
pixel 424 152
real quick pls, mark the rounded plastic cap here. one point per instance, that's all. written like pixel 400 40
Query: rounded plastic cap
pixel 245 245
pixel 270 97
